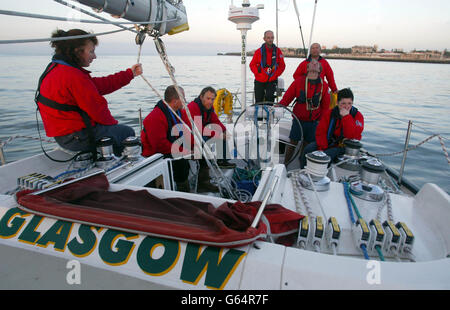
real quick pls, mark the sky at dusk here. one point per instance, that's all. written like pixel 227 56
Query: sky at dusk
pixel 405 24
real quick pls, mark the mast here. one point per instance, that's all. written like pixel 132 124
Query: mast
pixel 243 17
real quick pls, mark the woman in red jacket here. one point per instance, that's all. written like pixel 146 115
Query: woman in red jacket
pixel 342 122
pixel 71 102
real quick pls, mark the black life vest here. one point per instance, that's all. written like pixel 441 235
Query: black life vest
pixel 273 65
pixel 56 60
pixel 171 120
pixel 335 115
pixel 313 102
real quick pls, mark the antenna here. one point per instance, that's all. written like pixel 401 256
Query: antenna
pixel 243 17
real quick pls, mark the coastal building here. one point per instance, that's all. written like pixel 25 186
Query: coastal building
pixel 361 49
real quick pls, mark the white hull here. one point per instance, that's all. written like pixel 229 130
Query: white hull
pixel 122 256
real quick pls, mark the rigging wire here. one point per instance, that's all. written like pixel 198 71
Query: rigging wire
pixel 312 26
pixel 207 153
pixel 400 120
pixel 62 38
pixel 300 26
pixel 87 21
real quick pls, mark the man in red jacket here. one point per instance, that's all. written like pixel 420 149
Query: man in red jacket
pixel 207 121
pixel 312 101
pixel 327 72
pixel 164 133
pixel 342 122
pixel 71 102
pixel 267 65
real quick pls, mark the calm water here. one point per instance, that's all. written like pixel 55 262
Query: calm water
pixel 388 94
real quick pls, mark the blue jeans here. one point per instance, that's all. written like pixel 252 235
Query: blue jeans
pixel 79 141
pixel 333 152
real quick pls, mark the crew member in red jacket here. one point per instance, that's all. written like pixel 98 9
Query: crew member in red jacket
pixel 312 101
pixel 164 133
pixel 212 129
pixel 207 121
pixel 71 102
pixel 327 72
pixel 267 65
pixel 342 122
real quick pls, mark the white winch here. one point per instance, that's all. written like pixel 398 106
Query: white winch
pixel 350 160
pixel 317 169
pixel 367 187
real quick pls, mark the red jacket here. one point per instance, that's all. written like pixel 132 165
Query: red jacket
pixel 326 71
pixel 74 86
pixel 347 127
pixel 207 117
pixel 154 136
pixel 300 110
pixel 263 74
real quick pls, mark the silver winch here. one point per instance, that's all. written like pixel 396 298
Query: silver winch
pixel 105 152
pixel 317 169
pixel 132 148
pixel 82 161
pixel 350 159
pixel 367 188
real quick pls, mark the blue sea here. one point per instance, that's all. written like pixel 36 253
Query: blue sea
pixel 387 93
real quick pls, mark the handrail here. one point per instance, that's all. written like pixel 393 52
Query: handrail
pixel 264 203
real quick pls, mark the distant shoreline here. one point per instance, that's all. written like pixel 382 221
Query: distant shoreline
pixel 364 58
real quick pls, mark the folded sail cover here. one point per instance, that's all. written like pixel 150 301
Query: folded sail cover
pixel 89 201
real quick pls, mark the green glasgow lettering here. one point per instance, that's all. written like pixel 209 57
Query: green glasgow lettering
pixel 87 244
pixel 162 265
pixel 9 231
pixel 218 271
pixel 57 234
pixel 29 234
pixel 123 248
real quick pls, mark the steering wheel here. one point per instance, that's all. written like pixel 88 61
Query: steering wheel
pixel 264 115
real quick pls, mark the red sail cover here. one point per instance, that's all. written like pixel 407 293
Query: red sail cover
pixel 89 201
